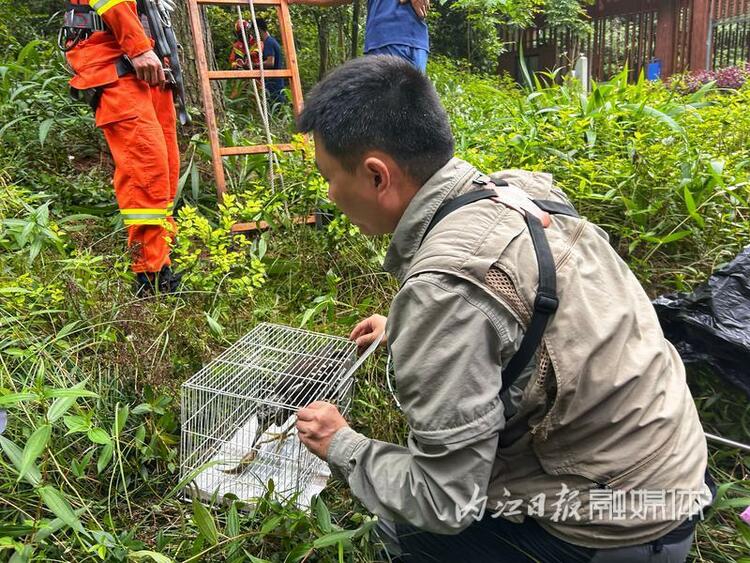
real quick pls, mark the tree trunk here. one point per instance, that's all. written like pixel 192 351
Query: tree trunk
pixel 194 98
pixel 342 47
pixel 322 23
pixel 357 6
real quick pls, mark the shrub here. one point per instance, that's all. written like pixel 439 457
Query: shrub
pixel 728 78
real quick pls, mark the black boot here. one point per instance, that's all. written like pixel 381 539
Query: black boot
pixel 163 281
pixel 169 281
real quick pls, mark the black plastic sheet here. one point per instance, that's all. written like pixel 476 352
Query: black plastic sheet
pixel 711 325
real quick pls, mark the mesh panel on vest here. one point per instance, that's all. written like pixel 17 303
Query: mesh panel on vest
pixel 500 283
pixel 502 286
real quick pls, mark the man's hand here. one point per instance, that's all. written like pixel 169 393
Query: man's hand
pixel 368 330
pixel 316 424
pixel 421 7
pixel 148 68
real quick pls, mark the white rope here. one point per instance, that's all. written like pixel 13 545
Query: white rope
pixel 273 161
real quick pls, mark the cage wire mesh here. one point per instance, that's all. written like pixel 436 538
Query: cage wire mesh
pixel 238 412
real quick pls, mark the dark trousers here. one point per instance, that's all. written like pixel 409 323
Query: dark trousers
pixel 495 540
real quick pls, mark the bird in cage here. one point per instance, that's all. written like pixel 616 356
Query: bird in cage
pixel 308 379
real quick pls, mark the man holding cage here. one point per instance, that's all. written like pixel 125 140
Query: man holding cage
pixel 548 417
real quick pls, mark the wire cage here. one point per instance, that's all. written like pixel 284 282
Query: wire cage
pixel 239 412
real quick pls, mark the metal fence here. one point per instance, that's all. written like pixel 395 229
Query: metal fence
pixel 681 34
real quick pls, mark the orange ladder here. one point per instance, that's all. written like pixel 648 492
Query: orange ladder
pixel 206 76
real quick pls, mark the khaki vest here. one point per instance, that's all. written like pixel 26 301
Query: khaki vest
pixel 607 413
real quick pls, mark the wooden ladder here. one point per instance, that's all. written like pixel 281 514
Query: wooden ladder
pixel 291 73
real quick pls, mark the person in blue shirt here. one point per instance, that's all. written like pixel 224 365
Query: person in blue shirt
pixel 394 27
pixel 273 59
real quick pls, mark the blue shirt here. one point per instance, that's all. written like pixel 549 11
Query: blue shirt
pixel 271 48
pixel 392 23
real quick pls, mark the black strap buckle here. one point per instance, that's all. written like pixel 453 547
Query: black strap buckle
pixel 546 303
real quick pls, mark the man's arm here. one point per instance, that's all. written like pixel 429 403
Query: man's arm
pixel 446 343
pixel 122 19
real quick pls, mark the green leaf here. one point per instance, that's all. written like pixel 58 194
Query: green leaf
pixel 270 525
pixel 140 434
pixel 13 398
pixel 672 237
pixel 60 507
pixel 59 407
pixel 195 180
pixel 205 522
pixel 262 247
pixel 154 556
pixel 34 447
pixel 44 130
pixel 99 436
pixel 181 182
pixel 655 113
pixel 14 453
pixel 691 207
pixel 52 526
pixel 11 531
pixel 302 551
pixel 121 417
pixel 76 423
pixel 74 392
pixel 143 408
pixel 10 124
pixel 190 476
pixel 323 515
pixel 524 69
pixel 214 325
pixel 22 556
pixel 233 521
pixel 104 458
pixel 333 538
pixel 66 330
pixel 34 250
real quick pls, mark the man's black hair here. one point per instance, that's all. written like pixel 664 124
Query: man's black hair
pixel 380 102
pixel 262 25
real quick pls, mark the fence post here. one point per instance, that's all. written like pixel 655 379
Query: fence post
pixel 700 23
pixel 666 24
pixel 582 72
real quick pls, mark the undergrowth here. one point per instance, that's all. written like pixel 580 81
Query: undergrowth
pixel 90 374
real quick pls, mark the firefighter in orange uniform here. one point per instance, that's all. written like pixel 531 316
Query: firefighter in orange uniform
pixel 238 56
pixel 117 69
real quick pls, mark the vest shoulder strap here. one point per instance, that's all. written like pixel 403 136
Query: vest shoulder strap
pixel 546 301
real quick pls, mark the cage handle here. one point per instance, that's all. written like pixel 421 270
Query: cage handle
pixel 366 354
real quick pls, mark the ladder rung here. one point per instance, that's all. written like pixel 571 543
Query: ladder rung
pixel 262 225
pixel 253 149
pixel 240 2
pixel 227 74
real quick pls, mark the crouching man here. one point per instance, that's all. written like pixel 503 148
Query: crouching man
pixel 549 418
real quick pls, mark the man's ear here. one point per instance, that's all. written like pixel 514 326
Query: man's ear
pixel 379 173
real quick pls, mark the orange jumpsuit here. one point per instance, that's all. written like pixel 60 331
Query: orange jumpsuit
pixel 238 57
pixel 139 124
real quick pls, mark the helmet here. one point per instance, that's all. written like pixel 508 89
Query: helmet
pixel 248 30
